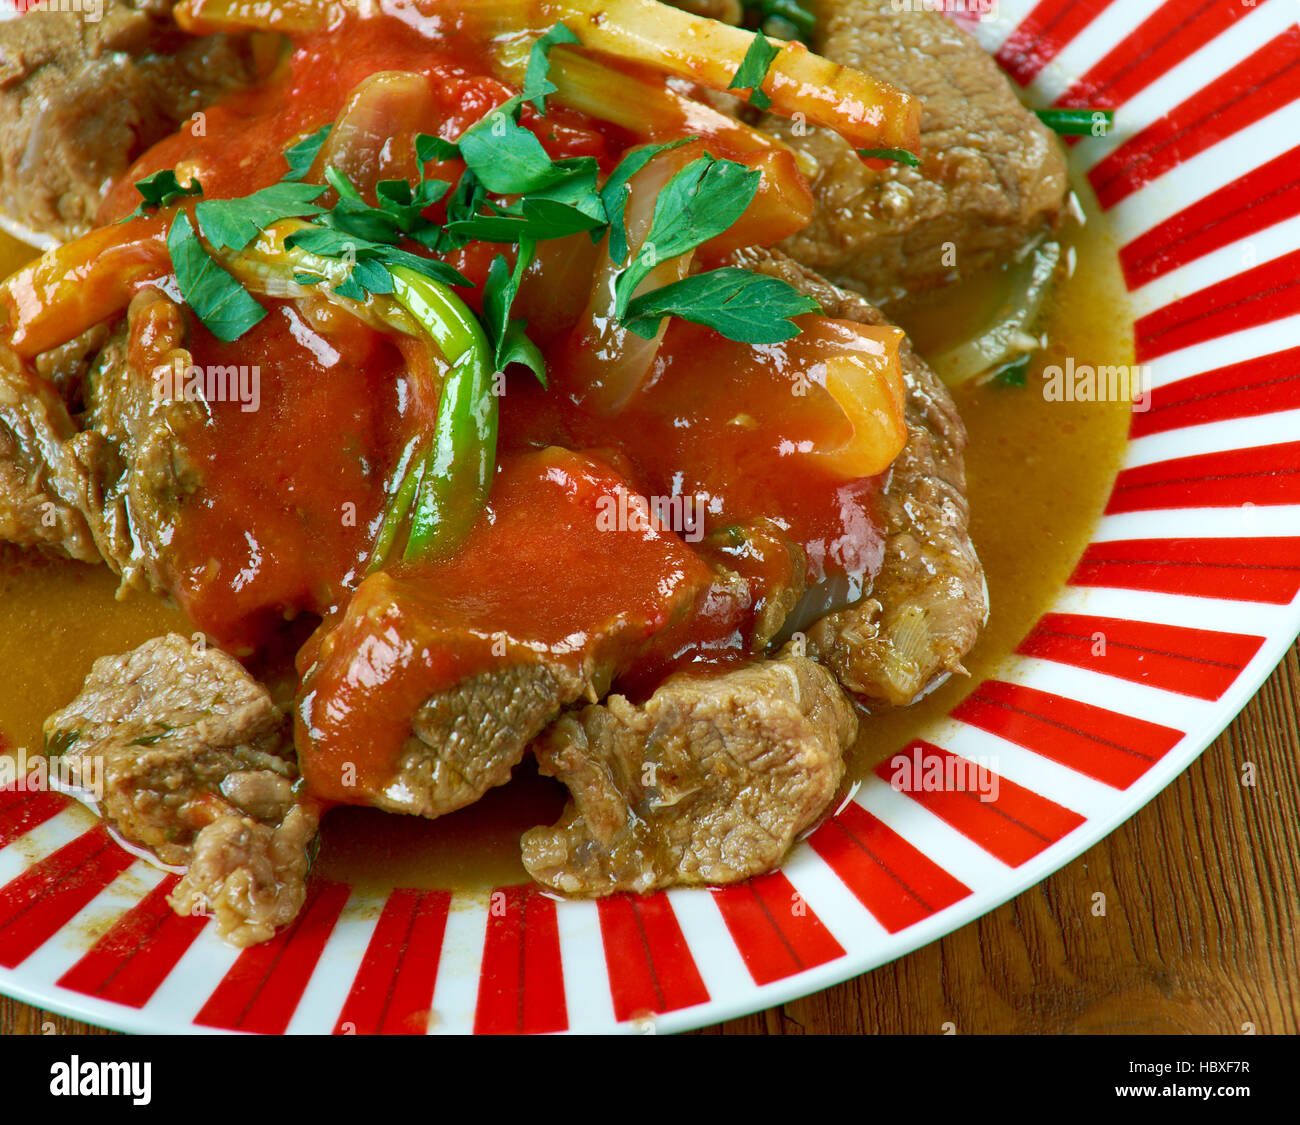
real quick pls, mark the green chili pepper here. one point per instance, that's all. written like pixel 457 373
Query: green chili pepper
pixel 455 473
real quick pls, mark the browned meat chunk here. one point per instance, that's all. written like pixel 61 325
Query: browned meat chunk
pixel 710 782
pixel 928 602
pixel 487 664
pixel 992 176
pixel 107 483
pixel 187 756
pixel 42 483
pixel 81 100
pixel 251 876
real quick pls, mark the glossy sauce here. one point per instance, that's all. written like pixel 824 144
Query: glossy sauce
pixel 1039 474
pixel 294 490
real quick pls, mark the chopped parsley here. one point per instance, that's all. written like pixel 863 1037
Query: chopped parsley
pixel 753 71
pixel 162 189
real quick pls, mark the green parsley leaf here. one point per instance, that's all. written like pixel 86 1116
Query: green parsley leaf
pixel 897 155
pixel 434 150
pixel 704 199
pixel 747 307
pixel 1078 122
pixel 217 299
pixel 537 83
pixel 302 156
pixel 162 189
pixel 615 194
pixel 510 341
pixel 234 223
pixel 753 71
pixel 506 157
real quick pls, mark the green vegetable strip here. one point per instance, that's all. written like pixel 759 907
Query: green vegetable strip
pixel 1078 122
pixel 456 472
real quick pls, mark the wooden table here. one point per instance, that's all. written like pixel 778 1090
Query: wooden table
pixel 1200 932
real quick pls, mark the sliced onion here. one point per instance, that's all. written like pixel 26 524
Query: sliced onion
pixel 1009 335
pixel 603 361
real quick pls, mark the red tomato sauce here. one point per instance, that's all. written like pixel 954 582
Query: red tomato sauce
pixel 294 491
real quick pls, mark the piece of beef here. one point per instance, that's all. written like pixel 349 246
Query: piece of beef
pixel 109 482
pixel 929 601
pixel 81 100
pixel 710 782
pixel 992 176
pixel 251 876
pixel 463 667
pixel 186 755
pixel 42 481
pixel 134 444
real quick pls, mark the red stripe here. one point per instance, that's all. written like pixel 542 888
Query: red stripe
pixel 1257 296
pixel 1265 385
pixel 1044 34
pixel 25 811
pixel 1253 89
pixel 898 884
pixel 1113 748
pixel 1195 662
pixel 1171 34
pixel 41 901
pixel 263 987
pixel 1265 475
pixel 521 982
pixel 776 931
pixel 129 962
pixel 1249 570
pixel 392 993
pixel 1015 826
pixel 650 964
pixel 1264 196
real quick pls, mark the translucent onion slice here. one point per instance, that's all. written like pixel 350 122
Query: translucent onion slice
pixel 860 368
pixel 1008 337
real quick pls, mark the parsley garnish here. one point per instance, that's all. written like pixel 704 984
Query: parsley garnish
pixel 302 156
pixel 1078 122
pixel 216 298
pixel 743 306
pixel 704 199
pixel 897 155
pixel 537 83
pixel 162 189
pixel 614 195
pixel 510 342
pixel 753 71
pixel 234 223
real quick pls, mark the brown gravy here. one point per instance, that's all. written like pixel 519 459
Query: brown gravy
pixel 1039 475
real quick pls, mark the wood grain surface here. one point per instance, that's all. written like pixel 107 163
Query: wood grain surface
pixel 1199 935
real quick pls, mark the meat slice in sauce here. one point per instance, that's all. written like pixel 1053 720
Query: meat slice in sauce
pixel 195 765
pixel 928 602
pixel 711 781
pixel 42 482
pixel 134 444
pixel 992 176
pixel 80 100
pixel 427 689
